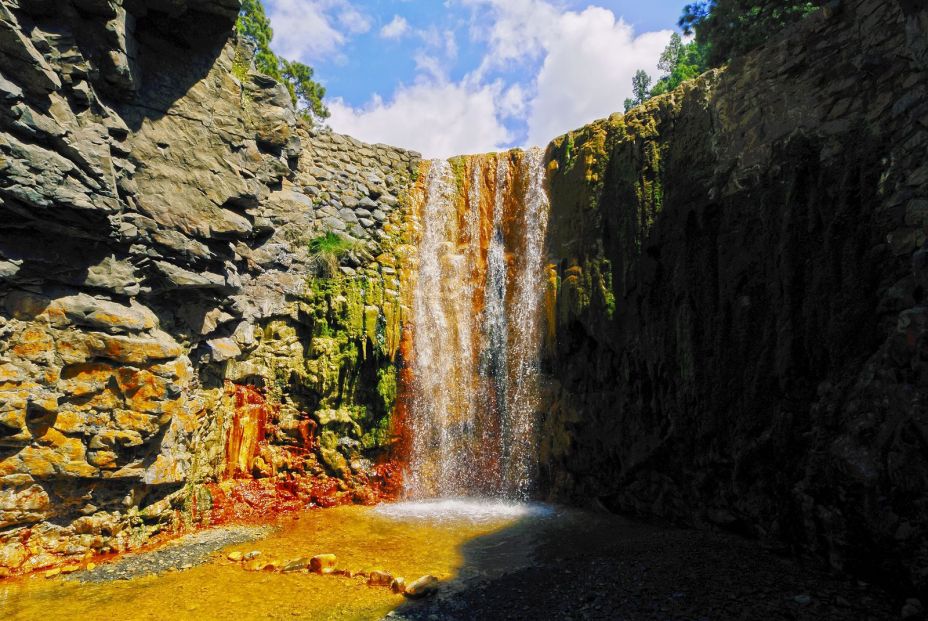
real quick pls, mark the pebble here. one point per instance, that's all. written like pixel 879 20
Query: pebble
pixel 379 578
pixel 423 587
pixel 322 563
pixel 235 556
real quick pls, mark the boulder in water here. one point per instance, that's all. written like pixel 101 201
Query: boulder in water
pixel 297 565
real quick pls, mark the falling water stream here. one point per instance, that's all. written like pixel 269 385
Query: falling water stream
pixel 477 322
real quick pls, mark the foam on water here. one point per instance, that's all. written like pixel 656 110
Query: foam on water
pixel 467 510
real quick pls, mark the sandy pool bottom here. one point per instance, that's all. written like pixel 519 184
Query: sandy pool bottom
pixel 404 540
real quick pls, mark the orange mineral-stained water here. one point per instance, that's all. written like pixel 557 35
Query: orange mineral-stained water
pixel 386 538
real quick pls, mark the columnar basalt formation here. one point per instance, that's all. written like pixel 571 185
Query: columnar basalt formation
pixel 742 334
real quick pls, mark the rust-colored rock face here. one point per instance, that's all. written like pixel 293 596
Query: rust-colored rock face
pixel 247 430
pixel 741 306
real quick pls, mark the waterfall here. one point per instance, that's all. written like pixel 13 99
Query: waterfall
pixel 477 327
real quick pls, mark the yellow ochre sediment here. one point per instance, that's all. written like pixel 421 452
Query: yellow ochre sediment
pixel 222 589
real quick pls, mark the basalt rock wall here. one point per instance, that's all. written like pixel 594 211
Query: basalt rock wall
pixel 168 331
pixel 741 329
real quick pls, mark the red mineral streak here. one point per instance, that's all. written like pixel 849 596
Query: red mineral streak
pixel 401 445
pixel 253 490
pixel 248 431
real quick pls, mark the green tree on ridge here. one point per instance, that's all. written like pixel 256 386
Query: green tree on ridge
pixel 307 94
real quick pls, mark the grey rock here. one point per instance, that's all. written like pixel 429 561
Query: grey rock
pixel 348 216
pixel 223 349
pixel 180 278
pixel 334 224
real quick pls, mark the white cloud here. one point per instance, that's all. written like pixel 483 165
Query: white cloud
pixel 312 30
pixel 547 69
pixel 396 29
pixel 515 30
pixel 430 67
pixel 587 59
pixel 353 20
pixel 587 71
pixel 514 101
pixel 436 118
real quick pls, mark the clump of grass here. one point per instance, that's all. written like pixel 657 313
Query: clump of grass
pixel 332 243
pixel 327 252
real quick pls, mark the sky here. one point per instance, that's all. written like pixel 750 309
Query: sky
pixel 451 77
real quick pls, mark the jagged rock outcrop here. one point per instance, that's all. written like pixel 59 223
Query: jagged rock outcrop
pixel 742 336
pixel 157 200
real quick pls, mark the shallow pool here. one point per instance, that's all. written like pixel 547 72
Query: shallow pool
pixel 404 539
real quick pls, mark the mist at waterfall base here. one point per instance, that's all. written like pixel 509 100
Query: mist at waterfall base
pixel 477 320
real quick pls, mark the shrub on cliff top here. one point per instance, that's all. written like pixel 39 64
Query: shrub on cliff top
pixel 679 62
pixel 728 28
pixel 306 93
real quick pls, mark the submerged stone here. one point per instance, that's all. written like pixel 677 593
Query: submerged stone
pixel 297 565
pixel 379 578
pixel 322 563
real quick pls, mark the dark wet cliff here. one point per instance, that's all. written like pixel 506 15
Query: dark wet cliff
pixel 741 330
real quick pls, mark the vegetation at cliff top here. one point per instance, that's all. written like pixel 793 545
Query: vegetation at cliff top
pixel 679 62
pixel 727 28
pixel 306 93
pixel 641 88
pixel 723 29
